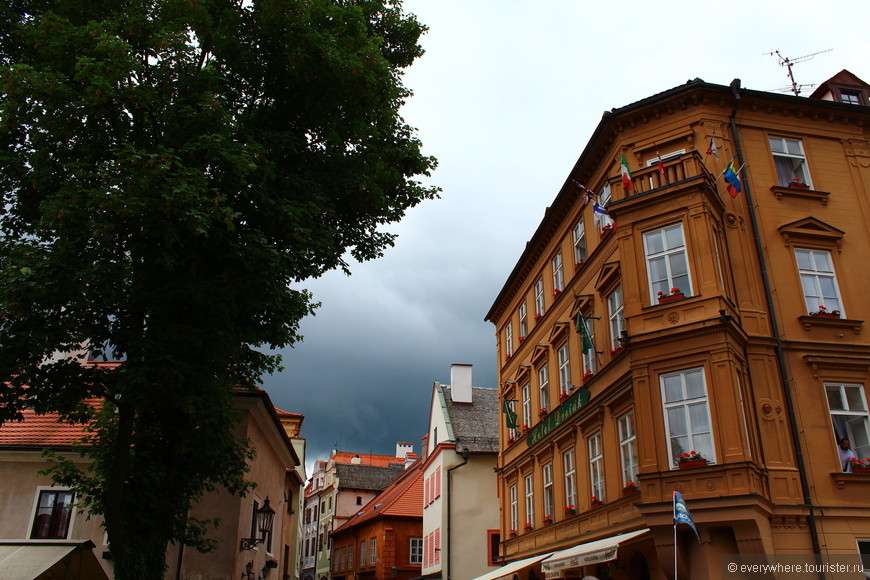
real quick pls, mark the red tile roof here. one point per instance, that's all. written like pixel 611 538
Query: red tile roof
pixel 402 498
pixel 38 431
pixel 366 458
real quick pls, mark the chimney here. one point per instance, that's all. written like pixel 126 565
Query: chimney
pixel 403 449
pixel 355 460
pixel 460 383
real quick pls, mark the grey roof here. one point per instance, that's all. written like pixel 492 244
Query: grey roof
pixel 368 477
pixel 475 425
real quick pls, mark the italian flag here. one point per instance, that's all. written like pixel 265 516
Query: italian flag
pixel 626 174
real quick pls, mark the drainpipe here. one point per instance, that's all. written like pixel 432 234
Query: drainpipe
pixel 774 326
pixel 449 497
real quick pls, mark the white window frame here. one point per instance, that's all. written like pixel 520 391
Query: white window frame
pixel 579 234
pixel 416 551
pixel 789 160
pixel 544 386
pixel 818 280
pixel 527 404
pixel 694 411
pixel 35 507
pixel 509 339
pixel 570 478
pixel 549 497
pixel 514 499
pixel 539 297
pixel 373 551
pixel 524 321
pixel 596 465
pixel 564 369
pixel 558 273
pixel 627 447
pixel 616 314
pixel 529 483
pixel 852 420
pixel 362 554
pixel 667 255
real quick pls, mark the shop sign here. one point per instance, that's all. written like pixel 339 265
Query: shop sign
pixel 559 415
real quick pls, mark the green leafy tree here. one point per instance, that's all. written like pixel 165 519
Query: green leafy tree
pixel 169 171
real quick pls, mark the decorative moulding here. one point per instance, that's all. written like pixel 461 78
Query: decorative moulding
pixel 800 192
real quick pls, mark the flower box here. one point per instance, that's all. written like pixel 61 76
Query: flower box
pixel 570 511
pixel 823 312
pixel 859 469
pixel 665 298
pixel 597 503
pixel 692 463
pixel 587 375
pixel 543 413
pixel 548 520
pixel 630 488
pixel 513 533
pixel 528 528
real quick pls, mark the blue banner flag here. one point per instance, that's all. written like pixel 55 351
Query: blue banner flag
pixel 682 515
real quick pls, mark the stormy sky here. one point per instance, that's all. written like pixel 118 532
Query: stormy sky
pixel 506 97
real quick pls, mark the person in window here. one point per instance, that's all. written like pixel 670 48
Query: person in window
pixel 846 454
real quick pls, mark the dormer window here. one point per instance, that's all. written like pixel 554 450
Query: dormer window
pixel 850 97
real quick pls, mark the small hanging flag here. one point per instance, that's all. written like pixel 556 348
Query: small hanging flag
pixel 661 166
pixel 711 148
pixel 732 181
pixel 585 338
pixel 682 515
pixel 626 174
pixel 510 416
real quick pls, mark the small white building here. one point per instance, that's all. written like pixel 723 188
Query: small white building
pixel 460 503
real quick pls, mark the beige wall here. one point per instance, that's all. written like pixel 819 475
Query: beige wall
pixel 19 492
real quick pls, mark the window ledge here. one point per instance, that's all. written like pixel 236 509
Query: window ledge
pixel 809 322
pixel 780 191
pixel 841 479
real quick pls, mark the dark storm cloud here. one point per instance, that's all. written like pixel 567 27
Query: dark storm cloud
pixel 506 97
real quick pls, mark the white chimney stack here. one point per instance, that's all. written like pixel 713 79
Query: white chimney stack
pixel 460 383
pixel 403 449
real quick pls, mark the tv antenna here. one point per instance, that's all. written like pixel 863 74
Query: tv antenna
pixel 790 62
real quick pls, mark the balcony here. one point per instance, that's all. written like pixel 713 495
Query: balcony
pixel 685 172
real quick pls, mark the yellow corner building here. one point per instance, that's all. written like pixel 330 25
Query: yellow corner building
pixel 689 316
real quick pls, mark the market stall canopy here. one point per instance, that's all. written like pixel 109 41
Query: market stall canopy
pixel 588 553
pixel 509 569
pixel 23 560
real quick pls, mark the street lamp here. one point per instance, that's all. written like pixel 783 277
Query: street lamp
pixel 265 520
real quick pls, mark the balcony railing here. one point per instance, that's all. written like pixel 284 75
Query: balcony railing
pixel 678 170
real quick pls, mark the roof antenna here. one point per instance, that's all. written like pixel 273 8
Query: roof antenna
pixel 790 62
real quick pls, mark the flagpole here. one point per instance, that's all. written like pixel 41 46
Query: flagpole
pixel 675 534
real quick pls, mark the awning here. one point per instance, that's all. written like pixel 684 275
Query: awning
pixel 509 569
pixel 588 553
pixel 22 560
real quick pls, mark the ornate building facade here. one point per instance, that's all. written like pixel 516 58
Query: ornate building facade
pixel 663 331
